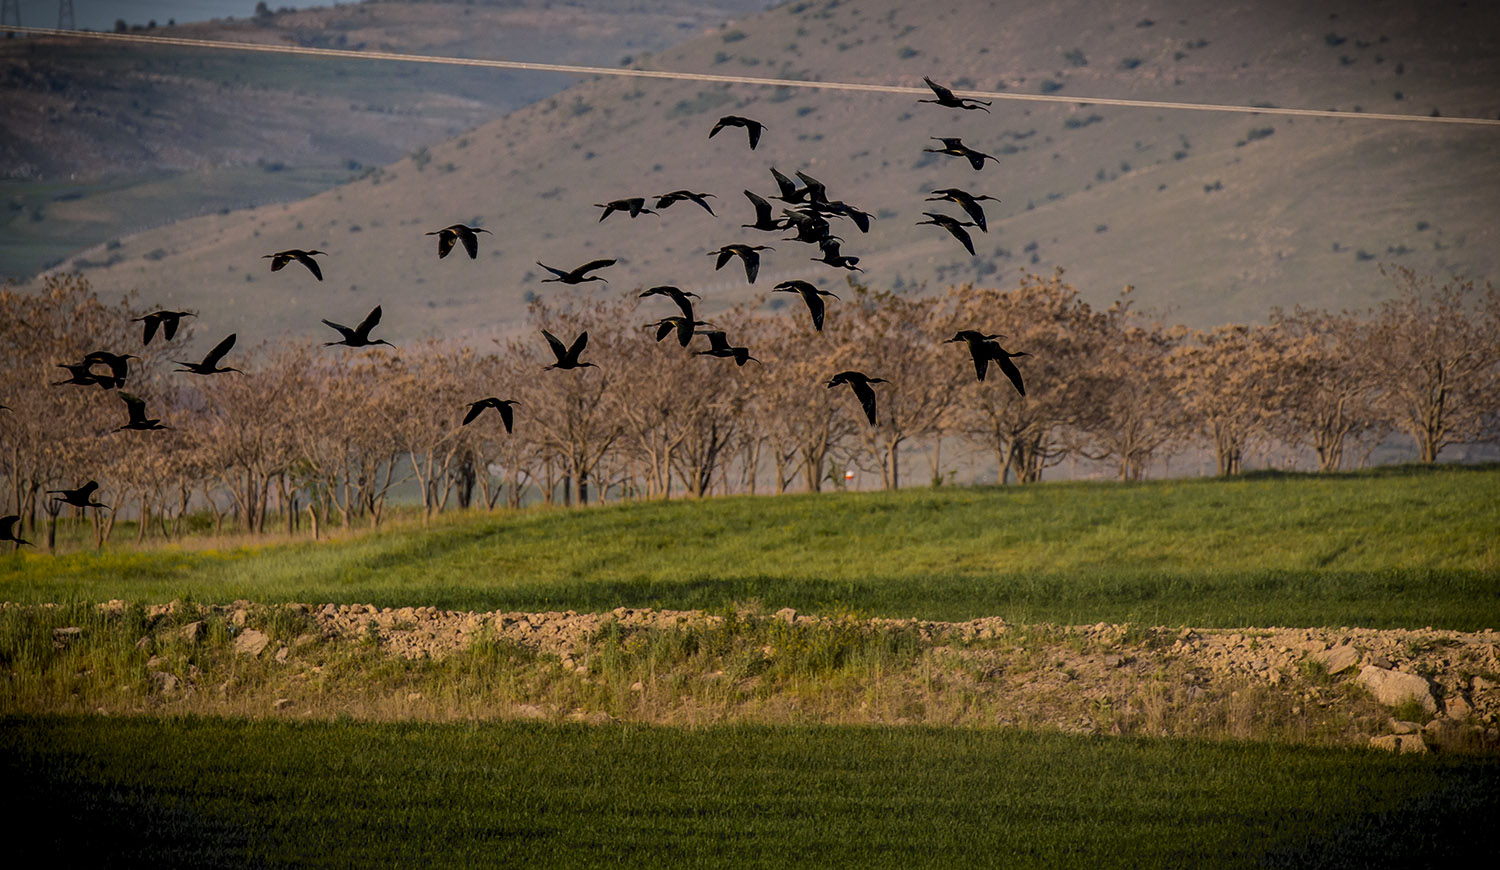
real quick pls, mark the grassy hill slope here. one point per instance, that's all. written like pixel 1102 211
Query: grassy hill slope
pixel 1395 548
pixel 1213 216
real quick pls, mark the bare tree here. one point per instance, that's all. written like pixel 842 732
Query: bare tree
pixel 1433 354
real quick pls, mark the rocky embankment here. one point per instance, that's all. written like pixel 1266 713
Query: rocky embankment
pixel 1399 689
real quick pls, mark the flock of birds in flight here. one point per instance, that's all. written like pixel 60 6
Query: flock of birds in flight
pixel 807 213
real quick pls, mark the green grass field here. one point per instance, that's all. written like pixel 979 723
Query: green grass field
pixel 1405 547
pixel 196 792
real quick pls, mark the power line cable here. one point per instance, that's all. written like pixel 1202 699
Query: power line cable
pixel 576 69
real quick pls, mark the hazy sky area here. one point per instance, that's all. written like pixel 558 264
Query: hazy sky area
pixel 102 14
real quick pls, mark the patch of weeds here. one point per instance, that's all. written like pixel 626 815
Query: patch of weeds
pixel 1411 710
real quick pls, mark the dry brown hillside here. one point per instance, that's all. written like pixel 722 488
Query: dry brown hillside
pixel 1212 216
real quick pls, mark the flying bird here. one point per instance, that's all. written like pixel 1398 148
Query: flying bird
pixel 810 294
pixel 861 386
pixel 139 422
pixel 748 253
pixel 682 325
pixel 634 206
pixel 984 348
pixel 167 320
pixel 84 376
pixel 956 148
pixel 763 219
pixel 448 236
pixel 210 364
pixel 119 363
pixel 666 199
pixel 832 257
pixel 843 209
pixel 754 128
pixel 281 258
pixel 719 347
pixel 952 225
pixel 81 497
pixel 968 201
pixel 677 295
pixel 945 97
pixel 507 414
pixel 8 531
pixel 567 357
pixel 359 336
pixel 790 192
pixel 576 276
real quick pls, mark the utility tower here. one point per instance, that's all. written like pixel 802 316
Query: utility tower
pixel 65 15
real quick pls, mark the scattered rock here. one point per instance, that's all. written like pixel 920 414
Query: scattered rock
pixel 1338 659
pixel 1456 708
pixel 144 643
pixel 786 615
pixel 251 642
pixel 282 703
pixel 281 655
pixel 528 711
pixel 191 632
pixel 1480 684
pixel 156 662
pixel 414 696
pixel 1399 743
pixel 1392 687
pixel 1400 727
pixel 238 617
pixel 1442 731
pixel 637 686
pixel 163 681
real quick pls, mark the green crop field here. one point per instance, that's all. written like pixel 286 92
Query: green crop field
pixel 1405 547
pixel 201 792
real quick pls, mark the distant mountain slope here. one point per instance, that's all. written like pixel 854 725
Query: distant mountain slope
pixel 1212 216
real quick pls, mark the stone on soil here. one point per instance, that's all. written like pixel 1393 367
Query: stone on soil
pixel 1393 687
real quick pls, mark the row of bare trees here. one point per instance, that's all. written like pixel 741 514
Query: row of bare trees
pixel 333 434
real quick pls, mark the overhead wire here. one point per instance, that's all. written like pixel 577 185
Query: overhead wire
pixel 631 72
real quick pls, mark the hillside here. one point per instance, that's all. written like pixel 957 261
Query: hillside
pixel 1212 216
pixel 107 138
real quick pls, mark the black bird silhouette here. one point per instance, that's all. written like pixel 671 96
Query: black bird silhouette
pixel 811 226
pixel 861 386
pixel 763 219
pixel 984 348
pixel 210 364
pixel 945 97
pixel 119 363
pixel 167 320
pixel 138 420
pixel 787 187
pixel 682 325
pixel 507 414
pixel 666 199
pixel 810 294
pixel 567 357
pixel 749 253
pixel 8 531
pixel 635 205
pixel 359 336
pixel 957 148
pixel 679 296
pixel 719 347
pixel 576 276
pixel 832 257
pixel 281 258
pixel 448 236
pixel 843 209
pixel 84 376
pixel 813 190
pixel 754 128
pixel 968 201
pixel 81 497
pixel 952 225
